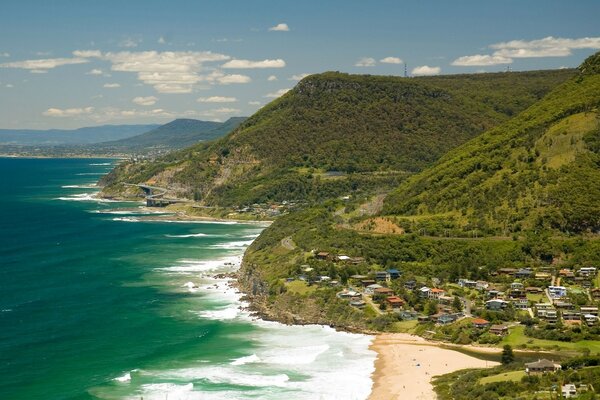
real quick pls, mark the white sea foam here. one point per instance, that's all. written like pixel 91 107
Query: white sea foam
pixel 86 197
pixel 88 186
pixel 191 235
pixel 233 245
pixel 224 314
pixel 106 163
pixel 124 378
pixel 90 173
pixel 246 360
pixel 126 219
pixel 177 221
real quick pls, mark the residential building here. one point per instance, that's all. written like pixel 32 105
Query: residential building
pixel 557 291
pixel 496 304
pixel 499 330
pixel 541 367
pixel 436 293
pixel 569 390
pixel 480 323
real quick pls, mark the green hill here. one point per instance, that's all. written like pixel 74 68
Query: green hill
pixel 334 133
pixel 177 134
pixel 538 170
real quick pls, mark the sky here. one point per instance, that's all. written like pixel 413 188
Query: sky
pixel 67 64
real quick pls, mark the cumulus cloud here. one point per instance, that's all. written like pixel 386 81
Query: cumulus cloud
pixel 44 64
pixel 168 71
pixel 280 28
pixel 546 47
pixel 278 93
pixel 391 60
pixel 365 62
pixel 481 60
pixel 67 112
pixel 254 103
pixel 95 71
pixel 87 53
pixel 145 101
pixel 111 85
pixel 216 99
pixel 245 64
pixel 233 78
pixel 298 77
pixel 425 70
pixel 272 78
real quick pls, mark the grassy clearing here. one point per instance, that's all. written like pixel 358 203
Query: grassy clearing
pixel 516 338
pixel 535 297
pixel 512 376
pixel 299 287
pixel 405 326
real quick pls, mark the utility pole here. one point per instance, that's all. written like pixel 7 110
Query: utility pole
pixel 405 71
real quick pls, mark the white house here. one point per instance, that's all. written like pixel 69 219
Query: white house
pixel 557 291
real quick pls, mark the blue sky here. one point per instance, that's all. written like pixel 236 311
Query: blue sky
pixel 66 64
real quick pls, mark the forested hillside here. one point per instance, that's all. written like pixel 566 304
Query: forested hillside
pixel 538 170
pixel 335 132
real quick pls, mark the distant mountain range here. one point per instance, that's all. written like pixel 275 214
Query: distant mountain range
pixel 177 134
pixel 81 136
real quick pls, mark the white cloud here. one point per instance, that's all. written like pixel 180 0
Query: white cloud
pixel 426 70
pixel 67 112
pixel 112 85
pixel 245 64
pixel 481 60
pixel 546 47
pixel 391 60
pixel 87 53
pixel 233 78
pixel 95 71
pixel 365 62
pixel 145 101
pixel 4 54
pixel 254 103
pixel 10 85
pixel 44 64
pixel 278 93
pixel 161 40
pixel 280 28
pixel 272 78
pixel 216 99
pixel 168 71
pixel 130 42
pixel 298 77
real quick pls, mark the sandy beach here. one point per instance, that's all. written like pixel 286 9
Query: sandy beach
pixel 406 364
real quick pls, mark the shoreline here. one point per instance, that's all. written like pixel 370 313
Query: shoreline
pixel 406 364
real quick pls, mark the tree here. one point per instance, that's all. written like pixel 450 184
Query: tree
pixel 457 304
pixel 507 355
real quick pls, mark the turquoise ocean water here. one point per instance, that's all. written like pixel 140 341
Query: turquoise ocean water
pixel 96 303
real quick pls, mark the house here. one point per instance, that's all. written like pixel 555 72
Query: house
pixel 499 330
pixel 348 294
pixel 342 258
pixel 358 303
pixel 444 319
pixel 371 288
pixel 322 255
pixel 493 293
pixel 407 315
pixel 382 276
pixel 393 273
pixel 566 273
pixel 436 293
pixel 358 277
pixel 592 310
pixel 569 390
pixel 520 304
pixel 590 319
pixel 424 291
pixel 541 367
pixel 496 304
pixel 383 291
pixel 482 285
pixel 367 282
pixel 563 305
pixel 410 285
pixel 595 293
pixel 557 291
pixel 551 316
pixel 480 323
pixel 587 271
pixel 448 300
pixel 570 315
pixel 524 273
pixel 507 271
pixel 543 276
pixel 357 260
pixel 395 301
pixel 465 283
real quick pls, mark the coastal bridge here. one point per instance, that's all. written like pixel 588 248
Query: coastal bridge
pixel 155 196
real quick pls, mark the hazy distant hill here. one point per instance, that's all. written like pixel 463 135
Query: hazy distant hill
pixel 178 134
pixel 371 130
pixel 81 136
pixel 539 170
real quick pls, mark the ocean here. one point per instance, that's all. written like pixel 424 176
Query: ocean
pixel 96 303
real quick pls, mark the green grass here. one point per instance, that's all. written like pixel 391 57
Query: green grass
pixel 299 287
pixel 405 326
pixel 516 338
pixel 535 297
pixel 513 376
